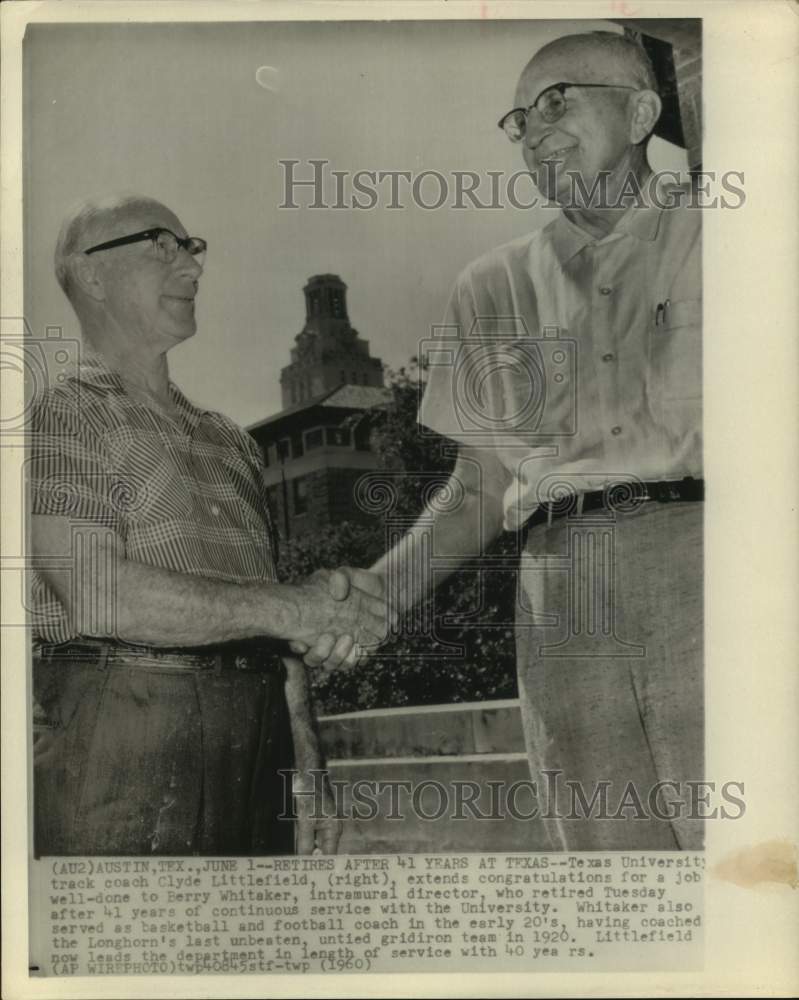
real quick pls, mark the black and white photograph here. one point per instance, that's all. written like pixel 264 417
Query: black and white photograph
pixel 365 495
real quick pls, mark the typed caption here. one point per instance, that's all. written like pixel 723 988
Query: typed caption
pixel 510 912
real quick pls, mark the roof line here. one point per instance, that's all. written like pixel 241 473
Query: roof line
pixel 315 401
pixel 295 408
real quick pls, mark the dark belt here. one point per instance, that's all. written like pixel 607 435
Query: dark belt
pixel 621 497
pixel 245 656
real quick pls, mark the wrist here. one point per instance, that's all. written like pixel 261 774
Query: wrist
pixel 279 610
pixel 392 584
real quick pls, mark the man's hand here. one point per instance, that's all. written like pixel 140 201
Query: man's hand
pixel 332 650
pixel 331 614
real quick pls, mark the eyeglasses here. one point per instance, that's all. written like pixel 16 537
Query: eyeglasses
pixel 550 104
pixel 164 241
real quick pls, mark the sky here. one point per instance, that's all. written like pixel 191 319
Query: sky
pixel 181 112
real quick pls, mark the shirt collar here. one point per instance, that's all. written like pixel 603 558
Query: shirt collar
pixel 568 239
pixel 641 221
pixel 94 370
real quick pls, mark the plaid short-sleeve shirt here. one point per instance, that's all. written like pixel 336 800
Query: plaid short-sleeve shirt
pixel 185 495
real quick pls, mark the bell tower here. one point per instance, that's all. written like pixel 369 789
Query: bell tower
pixel 328 351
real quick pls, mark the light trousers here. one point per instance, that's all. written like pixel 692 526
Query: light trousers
pixel 610 662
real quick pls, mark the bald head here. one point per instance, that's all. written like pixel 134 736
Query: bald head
pixel 601 125
pixel 596 57
pixel 92 222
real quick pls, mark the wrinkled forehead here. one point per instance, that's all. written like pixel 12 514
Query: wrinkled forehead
pixel 575 63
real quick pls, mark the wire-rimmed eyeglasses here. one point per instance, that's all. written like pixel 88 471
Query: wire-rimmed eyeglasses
pixel 165 242
pixel 550 104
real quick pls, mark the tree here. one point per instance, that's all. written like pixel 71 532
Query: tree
pixel 470 655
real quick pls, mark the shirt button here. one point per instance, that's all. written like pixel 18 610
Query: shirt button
pixel 215 510
pixel 608 357
pixel 615 431
pixel 605 290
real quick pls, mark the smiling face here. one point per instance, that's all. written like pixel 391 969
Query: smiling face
pixel 148 300
pixel 594 133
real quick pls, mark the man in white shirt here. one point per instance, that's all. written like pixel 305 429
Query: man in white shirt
pixel 569 372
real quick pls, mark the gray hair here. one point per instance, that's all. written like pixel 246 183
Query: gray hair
pixel 85 220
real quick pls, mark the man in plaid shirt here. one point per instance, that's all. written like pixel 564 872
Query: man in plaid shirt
pixel 159 627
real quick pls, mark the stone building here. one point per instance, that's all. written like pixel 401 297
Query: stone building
pixel 317 447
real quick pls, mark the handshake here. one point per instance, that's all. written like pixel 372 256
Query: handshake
pixel 341 616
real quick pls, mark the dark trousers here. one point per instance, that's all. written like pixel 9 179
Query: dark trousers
pixel 140 761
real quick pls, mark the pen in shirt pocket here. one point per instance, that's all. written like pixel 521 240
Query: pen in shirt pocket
pixel 661 312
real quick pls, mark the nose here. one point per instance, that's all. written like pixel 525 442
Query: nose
pixel 188 265
pixel 536 130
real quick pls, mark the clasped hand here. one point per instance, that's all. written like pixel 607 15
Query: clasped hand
pixel 344 616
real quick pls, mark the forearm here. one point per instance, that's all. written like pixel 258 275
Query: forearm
pixel 161 607
pixel 105 594
pixel 443 537
pixel 434 548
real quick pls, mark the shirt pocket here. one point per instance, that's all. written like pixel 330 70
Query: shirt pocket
pixel 675 356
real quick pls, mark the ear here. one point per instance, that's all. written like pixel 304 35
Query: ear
pixel 86 274
pixel 646 111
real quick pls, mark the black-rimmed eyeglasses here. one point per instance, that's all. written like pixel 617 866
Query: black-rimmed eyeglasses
pixel 164 241
pixel 550 104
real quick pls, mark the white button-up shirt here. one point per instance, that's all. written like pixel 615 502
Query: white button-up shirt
pixel 577 360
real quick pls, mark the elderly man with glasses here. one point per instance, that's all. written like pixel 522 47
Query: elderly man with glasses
pixel 160 659
pixel 569 373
